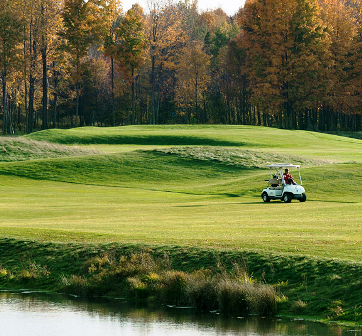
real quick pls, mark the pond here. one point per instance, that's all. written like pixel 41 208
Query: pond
pixel 40 314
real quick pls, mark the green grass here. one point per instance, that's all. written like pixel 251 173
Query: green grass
pixel 190 195
pixel 197 188
pixel 309 144
pixel 21 149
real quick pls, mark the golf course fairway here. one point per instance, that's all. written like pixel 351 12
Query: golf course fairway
pixel 193 187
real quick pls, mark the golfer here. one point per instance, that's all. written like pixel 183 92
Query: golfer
pixel 287 178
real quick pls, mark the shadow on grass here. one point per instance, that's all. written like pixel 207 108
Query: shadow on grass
pixel 334 201
pixel 165 140
pixel 191 206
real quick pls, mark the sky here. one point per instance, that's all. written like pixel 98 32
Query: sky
pixel 230 7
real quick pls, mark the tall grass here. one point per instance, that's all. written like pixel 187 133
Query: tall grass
pixel 236 156
pixel 142 277
pixel 20 149
pixel 207 279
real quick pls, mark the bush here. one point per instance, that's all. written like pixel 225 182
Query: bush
pixel 233 297
pixel 33 271
pixel 174 287
pixel 3 272
pixel 141 277
pixel 263 299
pixel 74 284
pixel 202 290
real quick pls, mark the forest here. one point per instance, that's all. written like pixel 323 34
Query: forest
pixel 294 64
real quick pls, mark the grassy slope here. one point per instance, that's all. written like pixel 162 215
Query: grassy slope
pixel 160 199
pixel 135 196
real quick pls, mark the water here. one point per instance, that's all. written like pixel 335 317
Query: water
pixel 37 314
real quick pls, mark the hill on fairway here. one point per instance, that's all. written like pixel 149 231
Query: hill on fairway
pixel 188 185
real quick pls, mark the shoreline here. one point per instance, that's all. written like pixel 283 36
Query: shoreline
pixel 326 291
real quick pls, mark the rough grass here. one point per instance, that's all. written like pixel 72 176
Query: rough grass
pixel 21 149
pixel 178 275
pixel 237 157
pixel 144 277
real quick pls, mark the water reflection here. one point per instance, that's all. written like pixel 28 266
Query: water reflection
pixel 41 314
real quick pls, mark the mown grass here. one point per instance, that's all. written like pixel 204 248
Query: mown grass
pixel 201 195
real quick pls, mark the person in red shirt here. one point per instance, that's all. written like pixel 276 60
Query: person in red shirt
pixel 287 178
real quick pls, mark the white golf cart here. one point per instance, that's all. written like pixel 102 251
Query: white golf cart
pixel 279 190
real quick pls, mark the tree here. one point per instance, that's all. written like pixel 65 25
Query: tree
pixel 130 46
pixel 10 38
pixel 50 24
pixel 166 38
pixel 81 24
pixel 342 30
pixel 112 15
pixel 220 30
pixel 353 88
pixel 287 51
pixel 193 78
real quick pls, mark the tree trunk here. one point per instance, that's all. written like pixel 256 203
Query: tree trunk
pixel 30 121
pixel 44 124
pixel 113 114
pixel 153 89
pixel 133 98
pixel 55 102
pixel 77 104
pixel 4 101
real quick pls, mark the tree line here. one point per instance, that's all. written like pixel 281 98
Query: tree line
pixel 293 64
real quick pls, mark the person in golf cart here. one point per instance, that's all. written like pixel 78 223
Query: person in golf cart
pixel 287 178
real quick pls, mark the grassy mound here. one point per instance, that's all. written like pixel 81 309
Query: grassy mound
pixel 144 135
pixel 20 149
pixel 237 157
pixel 311 145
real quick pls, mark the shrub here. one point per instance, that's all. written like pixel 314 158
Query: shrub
pixel 3 272
pixel 138 288
pixel 233 297
pixel 202 290
pixel 74 284
pixel 141 277
pixel 33 271
pixel 298 306
pixel 263 299
pixel 174 287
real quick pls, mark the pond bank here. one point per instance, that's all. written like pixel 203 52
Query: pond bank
pixel 327 290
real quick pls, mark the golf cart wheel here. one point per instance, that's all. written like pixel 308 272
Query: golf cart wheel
pixel 287 198
pixel 265 197
pixel 304 198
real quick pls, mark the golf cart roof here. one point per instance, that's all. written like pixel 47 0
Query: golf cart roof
pixel 282 165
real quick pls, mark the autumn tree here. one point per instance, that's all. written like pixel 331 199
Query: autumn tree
pixel 10 37
pixel 287 50
pixel 342 29
pixel 32 21
pixel 220 31
pixel 353 88
pixel 130 47
pixel 81 26
pixel 49 25
pixel 111 17
pixel 166 38
pixel 193 78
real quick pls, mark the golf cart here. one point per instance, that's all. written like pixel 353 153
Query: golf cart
pixel 278 190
